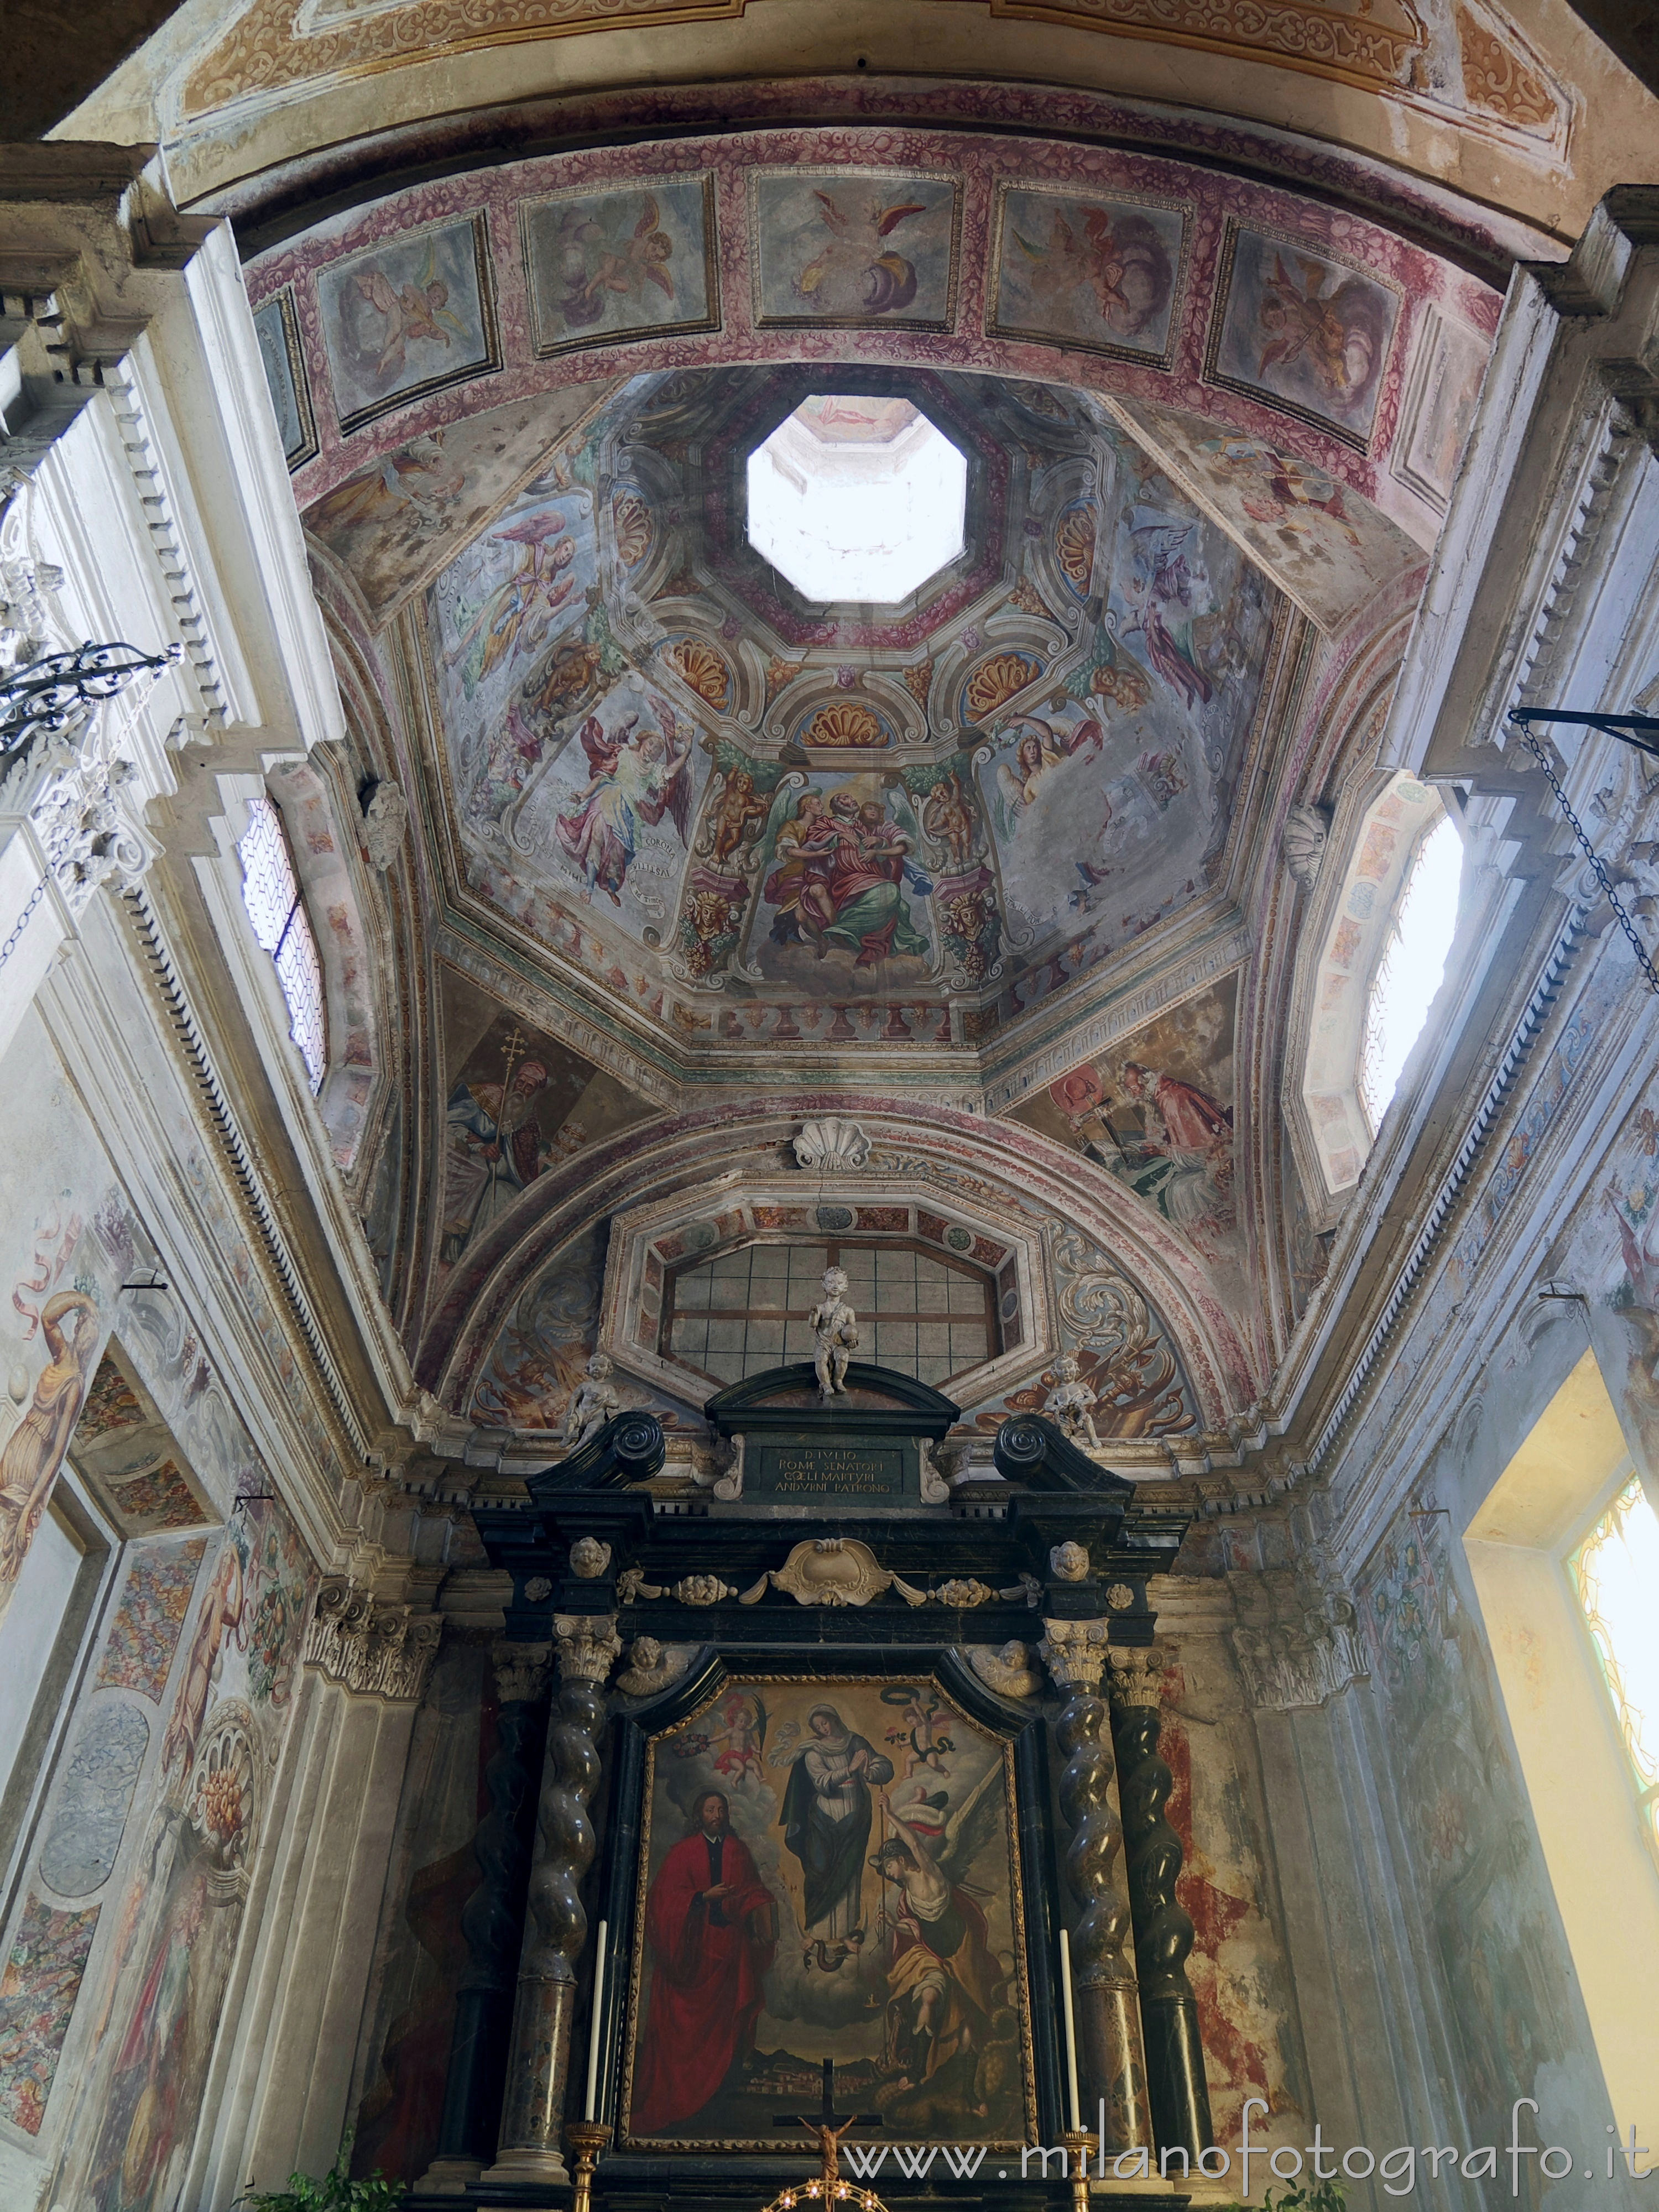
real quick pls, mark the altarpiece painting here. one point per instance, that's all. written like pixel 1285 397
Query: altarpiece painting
pixel 829 1871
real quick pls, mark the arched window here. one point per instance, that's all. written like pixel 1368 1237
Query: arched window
pixel 270 891
pixel 1411 967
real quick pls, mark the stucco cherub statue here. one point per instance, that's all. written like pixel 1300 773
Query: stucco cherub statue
pixel 1071 1404
pixel 836 1325
pixel 595 1403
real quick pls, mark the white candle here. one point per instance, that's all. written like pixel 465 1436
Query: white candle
pixel 599 2014
pixel 1071 2029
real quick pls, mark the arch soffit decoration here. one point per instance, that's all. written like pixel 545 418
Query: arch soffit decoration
pixel 965 1163
pixel 276 83
pixel 1184 378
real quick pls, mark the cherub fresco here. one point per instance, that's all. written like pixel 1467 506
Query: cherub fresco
pixel 634 780
pixel 416 314
pixel 598 262
pixel 947 816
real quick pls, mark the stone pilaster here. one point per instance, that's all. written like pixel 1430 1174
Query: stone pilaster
pixel 1110 2065
pixel 1164 1932
pixel 556 1921
pixel 490 1921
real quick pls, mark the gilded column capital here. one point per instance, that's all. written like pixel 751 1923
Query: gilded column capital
pixel 588 1646
pixel 1074 1652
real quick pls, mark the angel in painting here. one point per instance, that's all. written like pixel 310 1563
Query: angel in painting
pixel 1337 338
pixel 597 268
pixel 855 268
pixel 518 615
pixel 410 314
pixel 1040 747
pixel 632 781
pixel 948 818
pixel 946 1982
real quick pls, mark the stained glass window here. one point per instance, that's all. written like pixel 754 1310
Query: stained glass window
pixel 746 1311
pixel 1411 967
pixel 270 891
pixel 1615 1573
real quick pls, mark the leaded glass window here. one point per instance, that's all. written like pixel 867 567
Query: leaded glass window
pixel 1615 1574
pixel 738 1315
pixel 270 891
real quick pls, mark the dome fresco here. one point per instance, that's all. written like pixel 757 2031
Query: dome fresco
pixel 954 799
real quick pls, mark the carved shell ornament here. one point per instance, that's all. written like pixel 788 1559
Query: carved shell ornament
pixel 1302 840
pixel 831 1146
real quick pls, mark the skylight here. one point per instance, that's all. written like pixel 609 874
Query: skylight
pixel 1411 967
pixel 860 498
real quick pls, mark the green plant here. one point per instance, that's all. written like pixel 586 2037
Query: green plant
pixel 1317 2197
pixel 336 2192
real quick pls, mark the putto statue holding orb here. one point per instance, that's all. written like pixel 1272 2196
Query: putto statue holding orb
pixel 836 1325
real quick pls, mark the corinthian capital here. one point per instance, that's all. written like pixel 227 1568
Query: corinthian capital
pixel 1137 1678
pixel 520 1672
pixel 588 1646
pixel 1073 1651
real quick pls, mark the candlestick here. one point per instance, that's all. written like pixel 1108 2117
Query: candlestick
pixel 585 2139
pixel 1078 2145
pixel 1070 2028
pixel 593 2028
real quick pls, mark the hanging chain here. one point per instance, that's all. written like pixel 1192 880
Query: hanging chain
pixel 1600 874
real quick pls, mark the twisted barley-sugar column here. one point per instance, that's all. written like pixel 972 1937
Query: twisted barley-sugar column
pixel 1163 1931
pixel 1110 2066
pixel 489 1922
pixel 556 1923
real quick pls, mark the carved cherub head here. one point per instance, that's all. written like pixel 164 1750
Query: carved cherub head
pixel 835 1282
pixel 600 1367
pixel 589 1558
pixel 1066 1367
pixel 644 1654
pixel 1069 1562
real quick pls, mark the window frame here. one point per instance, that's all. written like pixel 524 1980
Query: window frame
pixel 1604 1664
pixel 262 807
pixel 834 1244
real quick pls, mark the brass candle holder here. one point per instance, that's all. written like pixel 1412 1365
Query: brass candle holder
pixel 584 2140
pixel 1079 2149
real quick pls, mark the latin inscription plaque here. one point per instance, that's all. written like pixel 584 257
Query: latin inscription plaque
pixel 861 1473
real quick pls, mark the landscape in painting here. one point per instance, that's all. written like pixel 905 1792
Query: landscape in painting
pixel 859 1838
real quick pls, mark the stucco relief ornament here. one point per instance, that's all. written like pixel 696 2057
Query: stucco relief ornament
pixel 595 1403
pixel 1008 1670
pixel 703 1590
pixel 728 1483
pixel 836 1325
pixel 829 1571
pixel 1071 1405
pixel 386 820
pixel 938 1466
pixel 589 1558
pixel 1069 1562
pixel 831 1146
pixel 652 1666
pixel 1302 840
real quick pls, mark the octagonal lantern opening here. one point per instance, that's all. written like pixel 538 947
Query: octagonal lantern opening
pixel 857 498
